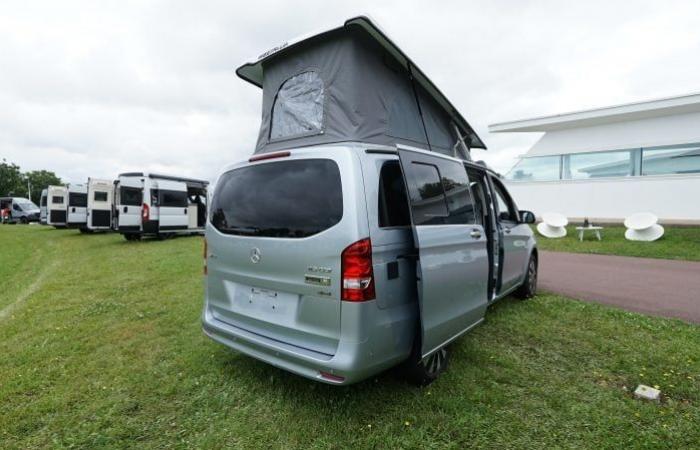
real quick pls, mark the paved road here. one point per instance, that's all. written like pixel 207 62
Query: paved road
pixel 652 286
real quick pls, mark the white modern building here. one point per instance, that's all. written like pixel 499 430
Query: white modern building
pixel 608 163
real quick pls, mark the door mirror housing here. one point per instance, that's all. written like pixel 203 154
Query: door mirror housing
pixel 527 217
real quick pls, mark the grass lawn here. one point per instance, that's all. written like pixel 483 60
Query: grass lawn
pixel 677 243
pixel 101 347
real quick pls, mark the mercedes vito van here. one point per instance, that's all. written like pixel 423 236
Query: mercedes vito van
pixel 360 235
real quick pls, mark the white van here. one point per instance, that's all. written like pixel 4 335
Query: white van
pixel 42 206
pixel 159 205
pixel 77 206
pixel 100 204
pixel 56 201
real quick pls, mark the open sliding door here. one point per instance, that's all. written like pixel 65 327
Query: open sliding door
pixel 452 255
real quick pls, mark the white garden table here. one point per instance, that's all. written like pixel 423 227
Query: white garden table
pixel 582 230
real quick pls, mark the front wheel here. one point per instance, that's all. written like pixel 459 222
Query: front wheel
pixel 23 220
pixel 529 287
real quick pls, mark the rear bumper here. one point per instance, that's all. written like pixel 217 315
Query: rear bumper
pixel 383 347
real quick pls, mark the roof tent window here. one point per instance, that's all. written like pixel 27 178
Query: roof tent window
pixel 298 107
pixel 540 168
pixel 678 159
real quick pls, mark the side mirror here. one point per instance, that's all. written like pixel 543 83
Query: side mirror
pixel 527 217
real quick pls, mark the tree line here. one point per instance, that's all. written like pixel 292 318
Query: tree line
pixel 15 183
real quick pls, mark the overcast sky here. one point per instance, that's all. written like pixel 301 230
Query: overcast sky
pixel 97 88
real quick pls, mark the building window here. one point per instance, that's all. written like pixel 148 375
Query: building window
pixel 298 107
pixel 539 168
pixel 598 165
pixel 677 159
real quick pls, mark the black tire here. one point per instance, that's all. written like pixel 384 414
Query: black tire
pixel 85 231
pixel 423 371
pixel 23 220
pixel 529 287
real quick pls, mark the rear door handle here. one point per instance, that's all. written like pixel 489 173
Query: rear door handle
pixel 126 209
pixel 476 234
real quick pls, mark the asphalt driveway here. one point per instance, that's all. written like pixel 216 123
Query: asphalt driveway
pixel 652 286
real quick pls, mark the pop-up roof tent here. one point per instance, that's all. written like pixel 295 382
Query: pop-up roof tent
pixel 352 83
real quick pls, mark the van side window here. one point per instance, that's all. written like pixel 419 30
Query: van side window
pixel 427 196
pixel 393 202
pixel 459 199
pixel 172 198
pixel 506 209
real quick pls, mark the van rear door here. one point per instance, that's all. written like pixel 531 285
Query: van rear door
pixel 129 200
pixel 276 234
pixel 56 205
pixel 172 205
pixel 452 255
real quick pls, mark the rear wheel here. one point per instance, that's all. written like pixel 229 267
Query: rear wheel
pixel 23 220
pixel 423 371
pixel 529 287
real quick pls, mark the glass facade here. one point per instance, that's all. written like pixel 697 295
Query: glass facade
pixel 539 168
pixel 668 160
pixel 671 160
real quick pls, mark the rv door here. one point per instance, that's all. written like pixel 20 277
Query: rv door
pixel 129 201
pixel 452 269
pixel 172 206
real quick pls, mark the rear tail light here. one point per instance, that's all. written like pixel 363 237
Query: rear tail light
pixel 268 156
pixel 205 257
pixel 357 274
pixel 145 212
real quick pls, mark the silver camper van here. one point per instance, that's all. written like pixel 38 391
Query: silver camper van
pixel 360 235
pixel 22 209
pixel 159 205
pixel 100 204
pixel 56 204
pixel 76 209
pixel 42 206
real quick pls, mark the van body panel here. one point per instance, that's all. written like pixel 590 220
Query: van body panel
pixel 171 205
pixel 43 212
pixel 100 204
pixel 56 205
pixel 129 193
pixel 77 205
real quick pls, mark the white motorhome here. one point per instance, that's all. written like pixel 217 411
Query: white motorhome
pixel 100 204
pixel 56 201
pixel 159 205
pixel 42 207
pixel 77 206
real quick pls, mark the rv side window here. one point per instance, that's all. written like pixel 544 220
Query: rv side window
pixel 77 199
pixel 130 196
pixel 298 107
pixel 57 199
pixel 286 199
pixel 393 202
pixel 100 196
pixel 174 199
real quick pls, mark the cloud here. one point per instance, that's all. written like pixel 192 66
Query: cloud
pixel 96 88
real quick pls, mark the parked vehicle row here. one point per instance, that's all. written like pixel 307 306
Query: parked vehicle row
pixel 18 209
pixel 136 204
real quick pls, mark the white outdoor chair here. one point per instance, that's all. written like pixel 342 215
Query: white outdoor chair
pixel 553 225
pixel 643 227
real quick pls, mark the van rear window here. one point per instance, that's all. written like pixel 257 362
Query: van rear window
pixel 77 199
pixel 130 196
pixel 286 199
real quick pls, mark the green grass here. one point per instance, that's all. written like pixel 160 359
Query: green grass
pixel 106 351
pixel 677 243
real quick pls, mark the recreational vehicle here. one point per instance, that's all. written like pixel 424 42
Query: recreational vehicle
pixel 77 206
pixel 100 204
pixel 42 206
pixel 56 203
pixel 21 209
pixel 359 235
pixel 159 205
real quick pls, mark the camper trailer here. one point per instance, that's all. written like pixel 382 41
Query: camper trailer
pixel 56 204
pixel 100 204
pixel 42 206
pixel 77 206
pixel 359 235
pixel 159 205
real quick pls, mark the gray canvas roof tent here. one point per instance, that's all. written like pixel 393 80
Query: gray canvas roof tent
pixel 352 83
